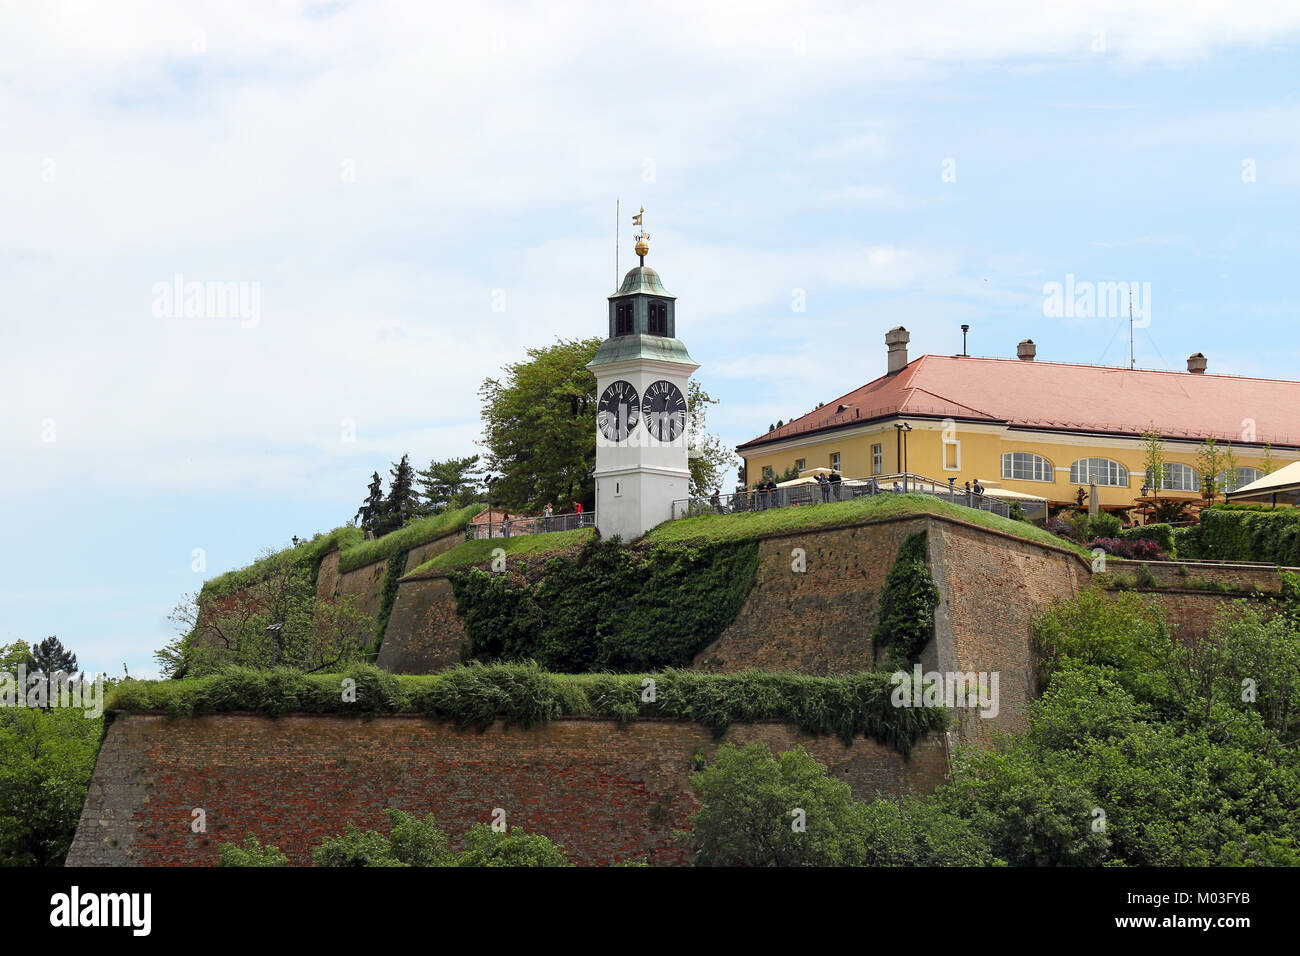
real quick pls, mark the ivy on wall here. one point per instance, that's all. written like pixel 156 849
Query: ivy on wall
pixel 614 607
pixel 1240 534
pixel 907 605
pixel 393 572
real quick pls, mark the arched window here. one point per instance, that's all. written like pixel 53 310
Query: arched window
pixel 1232 480
pixel 623 324
pixel 658 318
pixel 1023 466
pixel 1179 477
pixel 1101 470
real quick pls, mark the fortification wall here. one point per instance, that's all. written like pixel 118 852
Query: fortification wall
pixel 607 793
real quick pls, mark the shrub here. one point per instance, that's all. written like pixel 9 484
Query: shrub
pixel 757 809
pixel 1162 534
pixel 1104 525
pixel 251 853
pixel 1136 549
pixel 355 848
pixel 1187 542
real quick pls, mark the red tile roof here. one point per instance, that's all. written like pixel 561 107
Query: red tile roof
pixel 1055 396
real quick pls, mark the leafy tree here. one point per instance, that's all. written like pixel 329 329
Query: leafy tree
pixel 1154 458
pixel 1209 459
pixel 539 425
pixel 448 485
pixel 487 847
pixel 371 514
pixel 46 759
pixel 355 848
pixel 251 853
pixel 418 842
pixel 763 810
pixel 709 457
pixel 1269 464
pixel 274 622
pixel 12 655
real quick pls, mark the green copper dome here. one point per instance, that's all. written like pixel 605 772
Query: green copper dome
pixel 643 281
pixel 624 348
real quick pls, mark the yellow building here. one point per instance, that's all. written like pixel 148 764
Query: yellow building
pixel 1046 429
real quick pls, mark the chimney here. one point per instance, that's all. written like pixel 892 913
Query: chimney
pixel 1026 350
pixel 896 339
pixel 1196 364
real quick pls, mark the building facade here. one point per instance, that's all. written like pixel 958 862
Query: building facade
pixel 1046 429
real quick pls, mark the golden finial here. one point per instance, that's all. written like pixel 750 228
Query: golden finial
pixel 642 246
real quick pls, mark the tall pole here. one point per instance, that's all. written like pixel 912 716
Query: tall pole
pixel 616 206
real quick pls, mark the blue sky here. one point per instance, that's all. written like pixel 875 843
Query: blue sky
pixel 385 173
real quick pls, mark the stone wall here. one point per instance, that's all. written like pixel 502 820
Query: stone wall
pixel 607 793
pixel 425 633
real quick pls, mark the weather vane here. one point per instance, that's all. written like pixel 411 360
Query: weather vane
pixel 641 237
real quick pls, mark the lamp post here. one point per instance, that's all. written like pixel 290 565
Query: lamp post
pixel 901 430
pixel 1146 514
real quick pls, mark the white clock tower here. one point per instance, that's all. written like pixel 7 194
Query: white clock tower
pixel 642 419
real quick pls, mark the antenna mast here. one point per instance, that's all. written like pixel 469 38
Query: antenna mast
pixel 616 202
pixel 1132 362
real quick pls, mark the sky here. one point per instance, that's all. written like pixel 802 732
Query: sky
pixel 406 196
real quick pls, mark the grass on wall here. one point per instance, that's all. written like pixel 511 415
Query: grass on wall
pixel 480 550
pixel 748 525
pixel 476 695
pixel 308 553
pixel 415 533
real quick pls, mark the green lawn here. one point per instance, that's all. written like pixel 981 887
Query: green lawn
pixel 747 525
pixel 480 550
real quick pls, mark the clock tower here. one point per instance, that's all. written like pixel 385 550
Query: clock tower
pixel 642 419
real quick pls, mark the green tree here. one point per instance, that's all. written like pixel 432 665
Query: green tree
pixel 46 759
pixel 50 657
pixel 709 459
pixel 251 853
pixel 1209 460
pixel 355 848
pixel 763 810
pixel 487 847
pixel 12 655
pixel 370 516
pixel 1153 447
pixel 539 425
pixel 1269 464
pixel 448 485
pixel 402 502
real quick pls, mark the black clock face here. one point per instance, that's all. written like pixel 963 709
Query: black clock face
pixel 618 411
pixel 664 409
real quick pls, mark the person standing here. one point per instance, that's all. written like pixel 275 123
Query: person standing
pixel 834 481
pixel 547 512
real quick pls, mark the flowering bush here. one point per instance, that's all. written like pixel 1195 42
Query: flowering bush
pixel 1138 549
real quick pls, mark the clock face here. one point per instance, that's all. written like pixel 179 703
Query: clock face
pixel 664 409
pixel 618 411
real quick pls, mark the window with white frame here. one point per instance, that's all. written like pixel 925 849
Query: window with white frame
pixel 835 461
pixel 1180 477
pixel 877 459
pixel 1024 466
pixel 952 455
pixel 799 464
pixel 1231 480
pixel 1101 470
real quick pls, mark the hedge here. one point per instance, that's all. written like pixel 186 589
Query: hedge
pixel 476 695
pixel 1228 534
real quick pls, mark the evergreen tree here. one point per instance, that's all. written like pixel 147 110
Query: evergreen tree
pixel 401 502
pixel 447 485
pixel 50 657
pixel 370 515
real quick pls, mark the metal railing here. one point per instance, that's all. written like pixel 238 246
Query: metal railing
pixel 849 488
pixel 511 527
